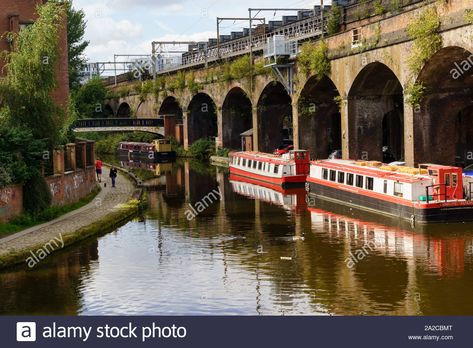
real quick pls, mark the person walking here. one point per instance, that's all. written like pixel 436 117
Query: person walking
pixel 113 175
pixel 98 170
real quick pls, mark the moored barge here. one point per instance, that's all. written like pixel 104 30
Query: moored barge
pixel 430 193
pixel 157 151
pixel 286 171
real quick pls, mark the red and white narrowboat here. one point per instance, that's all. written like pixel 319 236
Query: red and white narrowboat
pixel 430 193
pixel 286 171
pixel 290 199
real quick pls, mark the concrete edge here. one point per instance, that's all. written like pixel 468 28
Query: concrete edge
pixel 104 225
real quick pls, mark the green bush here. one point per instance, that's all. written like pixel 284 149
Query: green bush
pixel 38 197
pixel 313 59
pixel 202 149
pixel 334 18
pixel 222 152
pixel 88 100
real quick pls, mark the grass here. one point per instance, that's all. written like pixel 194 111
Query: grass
pixel 26 220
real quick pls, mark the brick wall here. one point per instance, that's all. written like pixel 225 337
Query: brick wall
pixel 13 14
pixel 11 202
pixel 71 187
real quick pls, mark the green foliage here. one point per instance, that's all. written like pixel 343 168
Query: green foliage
pixel 469 16
pixel 313 59
pixel 240 68
pixel 415 93
pixel 20 154
pixel 39 195
pixel 395 5
pixel 192 85
pixel 202 149
pixel 378 8
pixel 31 76
pixel 76 25
pixel 333 21
pixel 222 152
pixel 424 31
pixel 88 99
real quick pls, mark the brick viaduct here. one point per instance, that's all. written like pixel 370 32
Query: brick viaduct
pixel 359 107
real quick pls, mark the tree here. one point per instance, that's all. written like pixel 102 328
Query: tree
pixel 88 99
pixel 26 91
pixel 333 22
pixel 76 25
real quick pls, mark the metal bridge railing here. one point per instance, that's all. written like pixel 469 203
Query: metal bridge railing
pixel 119 122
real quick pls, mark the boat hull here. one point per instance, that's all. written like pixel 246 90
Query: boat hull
pixel 284 182
pixel 439 214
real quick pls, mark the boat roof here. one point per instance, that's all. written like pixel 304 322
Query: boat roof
pixel 267 157
pixel 357 168
pixel 134 143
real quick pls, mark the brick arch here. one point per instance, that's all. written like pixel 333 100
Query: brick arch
pixel 201 120
pixel 376 114
pixel 236 117
pixel 319 115
pixel 443 122
pixel 124 110
pixel 274 110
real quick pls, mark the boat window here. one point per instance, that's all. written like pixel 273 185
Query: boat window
pixel 350 179
pixel 333 175
pixel 447 179
pixel 244 162
pixel 369 183
pixel 341 177
pixel 454 180
pixel 398 189
pixel 260 165
pixel 385 186
pixel 325 173
pixel 255 164
pixel 276 169
pixel 250 162
pixel 359 181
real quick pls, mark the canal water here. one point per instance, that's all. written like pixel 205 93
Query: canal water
pixel 249 251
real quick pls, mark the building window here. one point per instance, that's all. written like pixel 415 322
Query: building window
pixel 333 175
pixel 356 37
pixel 369 183
pixel 398 189
pixel 385 187
pixel 325 173
pixel 341 177
pixel 359 181
pixel 350 179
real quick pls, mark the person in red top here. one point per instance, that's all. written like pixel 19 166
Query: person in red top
pixel 98 169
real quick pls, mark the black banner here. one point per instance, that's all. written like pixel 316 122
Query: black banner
pixel 284 332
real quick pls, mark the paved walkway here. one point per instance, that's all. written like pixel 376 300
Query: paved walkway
pixel 106 202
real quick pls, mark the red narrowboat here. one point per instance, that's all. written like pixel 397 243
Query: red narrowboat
pixel 286 171
pixel 430 193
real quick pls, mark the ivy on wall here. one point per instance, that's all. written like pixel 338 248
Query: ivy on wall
pixel 424 31
pixel 313 59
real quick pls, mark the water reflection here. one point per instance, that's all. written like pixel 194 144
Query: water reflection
pixel 255 251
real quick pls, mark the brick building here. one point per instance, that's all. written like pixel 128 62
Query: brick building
pixel 16 14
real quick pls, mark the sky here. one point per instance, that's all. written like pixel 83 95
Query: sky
pixel 129 26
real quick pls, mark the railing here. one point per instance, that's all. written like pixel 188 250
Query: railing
pixel 438 195
pixel 119 122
